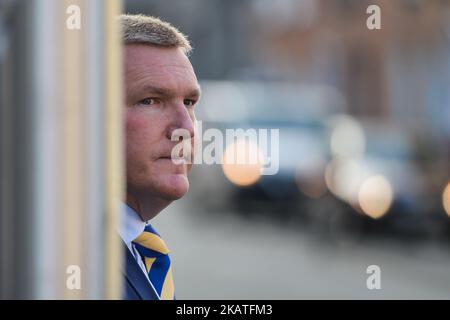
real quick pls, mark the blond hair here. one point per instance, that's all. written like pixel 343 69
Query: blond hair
pixel 152 31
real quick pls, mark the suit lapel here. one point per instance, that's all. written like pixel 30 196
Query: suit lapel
pixel 136 278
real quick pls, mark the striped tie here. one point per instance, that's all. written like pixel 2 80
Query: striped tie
pixel 157 262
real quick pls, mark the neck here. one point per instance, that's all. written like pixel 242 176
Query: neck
pixel 146 207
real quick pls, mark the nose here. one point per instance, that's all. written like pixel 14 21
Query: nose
pixel 181 118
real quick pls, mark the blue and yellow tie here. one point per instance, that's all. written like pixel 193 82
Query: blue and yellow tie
pixel 157 262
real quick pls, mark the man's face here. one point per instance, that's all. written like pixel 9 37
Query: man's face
pixel 161 91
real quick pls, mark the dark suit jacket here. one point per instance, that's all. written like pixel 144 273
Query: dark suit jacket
pixel 136 286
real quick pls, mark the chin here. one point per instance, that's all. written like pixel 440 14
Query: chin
pixel 175 186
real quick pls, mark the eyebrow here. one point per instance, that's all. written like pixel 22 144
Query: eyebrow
pixel 169 92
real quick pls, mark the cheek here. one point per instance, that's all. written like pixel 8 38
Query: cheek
pixel 138 133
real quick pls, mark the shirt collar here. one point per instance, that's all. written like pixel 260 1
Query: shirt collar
pixel 132 225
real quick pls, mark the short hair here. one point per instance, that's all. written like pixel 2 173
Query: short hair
pixel 152 31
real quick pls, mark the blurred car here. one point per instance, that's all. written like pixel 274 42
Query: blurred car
pixel 297 112
pixel 387 188
pixel 364 178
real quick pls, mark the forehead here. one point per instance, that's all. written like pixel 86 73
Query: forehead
pixel 157 66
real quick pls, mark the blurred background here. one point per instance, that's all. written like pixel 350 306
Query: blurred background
pixel 364 126
pixel 364 149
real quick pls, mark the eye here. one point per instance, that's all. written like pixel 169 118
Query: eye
pixel 148 101
pixel 189 102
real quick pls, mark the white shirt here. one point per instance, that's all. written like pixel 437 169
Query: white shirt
pixel 130 228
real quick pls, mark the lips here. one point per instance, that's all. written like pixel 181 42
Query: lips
pixel 170 158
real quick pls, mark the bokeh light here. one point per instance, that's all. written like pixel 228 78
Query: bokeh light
pixel 242 162
pixel 347 137
pixel 343 178
pixel 375 196
pixel 446 199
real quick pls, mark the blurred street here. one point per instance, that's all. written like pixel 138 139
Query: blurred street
pixel 220 256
